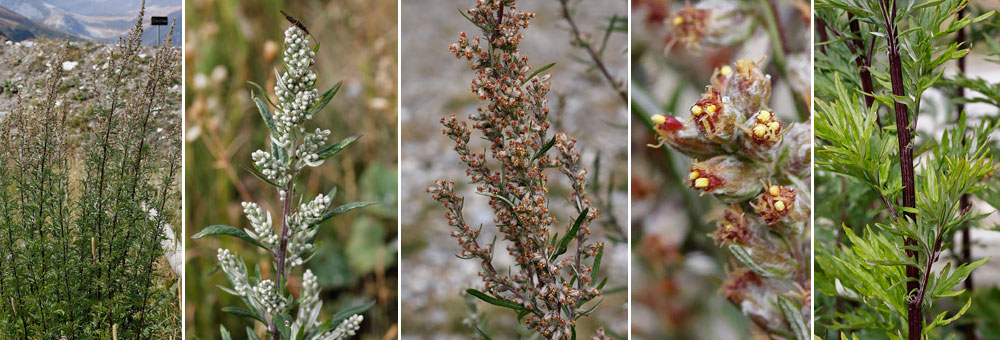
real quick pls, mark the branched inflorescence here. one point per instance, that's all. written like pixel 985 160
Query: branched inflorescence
pixel 550 285
pixel 759 166
pixel 292 149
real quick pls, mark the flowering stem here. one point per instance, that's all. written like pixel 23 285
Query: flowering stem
pixel 864 61
pixel 594 57
pixel 914 310
pixel 159 222
pixel 279 258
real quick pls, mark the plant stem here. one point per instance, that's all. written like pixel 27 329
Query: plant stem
pixel 864 61
pixel 590 51
pixel 279 258
pixel 160 221
pixel 821 35
pixel 915 318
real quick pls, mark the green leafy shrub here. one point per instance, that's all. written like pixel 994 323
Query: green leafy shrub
pixel 83 232
pixel 878 266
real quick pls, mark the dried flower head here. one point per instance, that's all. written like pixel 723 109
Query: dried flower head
pixel 733 228
pixel 712 22
pixel 685 138
pixel 727 177
pixel 548 287
pixel 747 147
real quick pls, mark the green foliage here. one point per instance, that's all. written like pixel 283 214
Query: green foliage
pixel 867 267
pixel 84 232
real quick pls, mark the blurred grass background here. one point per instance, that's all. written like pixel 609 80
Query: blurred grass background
pixel 435 84
pixel 230 42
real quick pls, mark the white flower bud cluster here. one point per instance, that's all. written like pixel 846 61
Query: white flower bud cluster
pixel 309 303
pixel 302 230
pixel 295 91
pixel 235 270
pixel 347 328
pixel 271 167
pixel 311 212
pixel 270 298
pixel 261 222
pixel 312 142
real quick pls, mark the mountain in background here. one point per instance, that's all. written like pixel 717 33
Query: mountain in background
pixel 16 27
pixel 101 20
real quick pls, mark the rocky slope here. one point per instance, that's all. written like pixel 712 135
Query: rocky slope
pixel 26 62
pixel 103 21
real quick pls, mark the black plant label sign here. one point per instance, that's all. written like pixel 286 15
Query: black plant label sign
pixel 158 21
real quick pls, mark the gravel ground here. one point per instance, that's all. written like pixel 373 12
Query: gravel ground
pixel 25 63
pixel 436 84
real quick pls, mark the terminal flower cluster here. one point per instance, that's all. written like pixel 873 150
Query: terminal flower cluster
pixel 747 158
pixel 551 283
pixel 291 150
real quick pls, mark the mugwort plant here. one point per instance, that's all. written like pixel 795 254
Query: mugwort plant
pixel 292 149
pixel 81 228
pixel 553 282
pixel 759 166
pixel 886 278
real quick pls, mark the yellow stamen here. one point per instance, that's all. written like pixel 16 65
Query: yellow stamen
pixel 773 126
pixel 760 130
pixel 779 206
pixel 710 108
pixel 696 110
pixel 694 175
pixel 659 120
pixel 764 116
pixel 729 227
pixel 701 183
pixel 744 65
pixel 774 190
pixel 678 20
pixel 725 70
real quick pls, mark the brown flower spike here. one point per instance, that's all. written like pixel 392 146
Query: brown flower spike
pixel 552 282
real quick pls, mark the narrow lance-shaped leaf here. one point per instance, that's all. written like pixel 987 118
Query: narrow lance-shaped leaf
pixel 597 263
pixel 494 300
pixel 541 152
pixel 343 209
pixel 261 177
pixel 264 94
pixel 791 311
pixel 346 313
pixel 224 333
pixel 333 149
pixel 326 97
pixel 540 70
pixel 741 254
pixel 564 242
pixel 226 230
pixel 265 113
pixel 242 313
